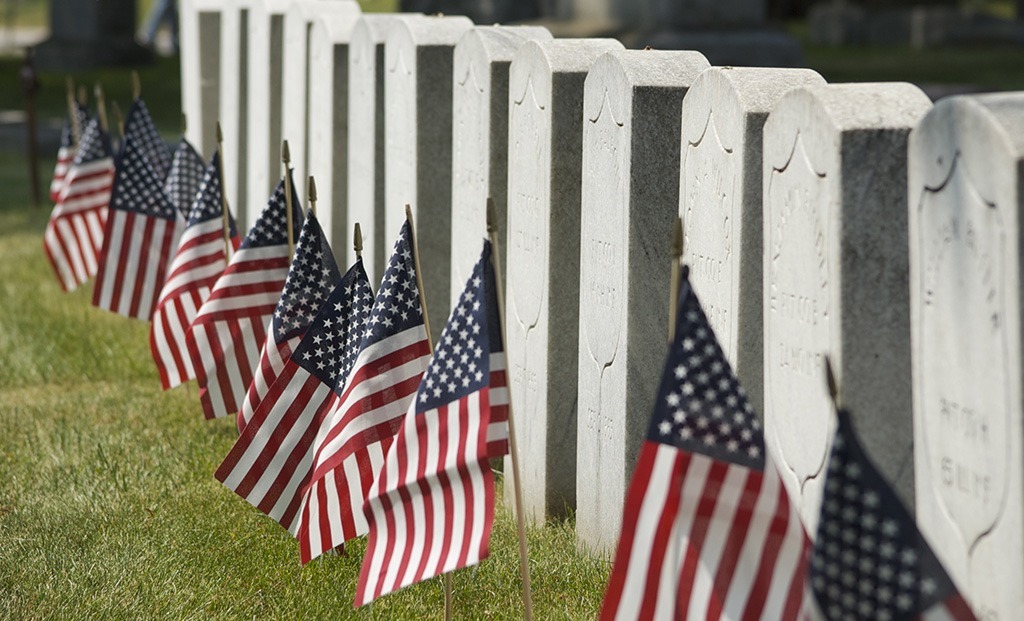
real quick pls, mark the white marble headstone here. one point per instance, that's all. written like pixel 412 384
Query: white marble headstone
pixel 366 138
pixel 326 144
pixel 266 74
pixel 234 46
pixel 418 145
pixel 545 161
pixel 480 138
pixel 720 204
pixel 835 279
pixel 200 36
pixel 631 128
pixel 966 193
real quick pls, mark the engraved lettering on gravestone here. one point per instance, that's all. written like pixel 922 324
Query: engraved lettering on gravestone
pixel 798 327
pixel 711 189
pixel 529 198
pixel 471 156
pixel 965 384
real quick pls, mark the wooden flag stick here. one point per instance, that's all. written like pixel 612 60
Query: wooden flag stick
pixel 358 237
pixel 673 287
pixel 184 123
pixel 76 130
pixel 830 381
pixel 101 107
pixel 286 159
pixel 513 450
pixel 223 196
pixel 83 95
pixel 311 194
pixel 430 344
pixel 118 119
pixel 136 86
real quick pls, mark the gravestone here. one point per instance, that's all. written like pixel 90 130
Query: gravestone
pixel 720 195
pixel 234 91
pixel 545 162
pixel 966 192
pixel 631 127
pixel 200 45
pixel 366 139
pixel 418 145
pixel 299 79
pixel 480 139
pixel 266 74
pixel 835 279
pixel 327 126
pixel 100 33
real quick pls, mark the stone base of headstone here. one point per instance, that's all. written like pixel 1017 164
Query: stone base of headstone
pixel 747 47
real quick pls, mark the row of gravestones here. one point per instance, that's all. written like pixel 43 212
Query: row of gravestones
pixel 850 219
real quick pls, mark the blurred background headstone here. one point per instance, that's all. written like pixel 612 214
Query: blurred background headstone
pixel 91 33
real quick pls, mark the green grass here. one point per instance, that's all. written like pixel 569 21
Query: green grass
pixel 108 507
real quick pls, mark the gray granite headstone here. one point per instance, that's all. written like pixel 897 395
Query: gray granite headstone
pixel 546 81
pixel 631 128
pixel 266 74
pixel 327 125
pixel 720 204
pixel 966 192
pixel 835 279
pixel 234 91
pixel 480 138
pixel 418 145
pixel 366 139
pixel 299 78
pixel 201 66
pixel 99 33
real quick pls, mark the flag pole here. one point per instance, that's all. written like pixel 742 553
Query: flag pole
pixel 118 119
pixel 358 237
pixel 311 194
pixel 83 95
pixel 673 286
pixel 430 343
pixel 833 385
pixel 136 86
pixel 76 130
pixel 184 124
pixel 223 193
pixel 286 159
pixel 101 107
pixel 513 450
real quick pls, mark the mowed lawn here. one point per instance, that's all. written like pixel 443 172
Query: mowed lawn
pixel 108 506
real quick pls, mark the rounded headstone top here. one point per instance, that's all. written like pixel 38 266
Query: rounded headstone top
pixel 429 30
pixel 564 55
pixel 311 10
pixel 275 7
pixel 497 43
pixel 734 93
pixel 373 28
pixel 338 23
pixel 827 111
pixel 651 67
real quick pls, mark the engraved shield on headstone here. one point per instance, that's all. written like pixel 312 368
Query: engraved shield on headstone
pixel 963 352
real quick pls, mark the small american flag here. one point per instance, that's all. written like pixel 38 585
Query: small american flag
pixel 141 234
pixel 351 442
pixel 311 278
pixel 870 562
pixel 74 233
pixel 231 326
pixel 139 127
pixel 66 151
pixel 272 460
pixel 432 507
pixel 197 264
pixel 708 530
pixel 183 180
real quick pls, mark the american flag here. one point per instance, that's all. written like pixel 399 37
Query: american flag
pixel 66 151
pixel 870 562
pixel 272 460
pixel 351 442
pixel 432 507
pixel 197 264
pixel 184 178
pixel 74 233
pixel 139 127
pixel 225 338
pixel 141 234
pixel 311 278
pixel 708 530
